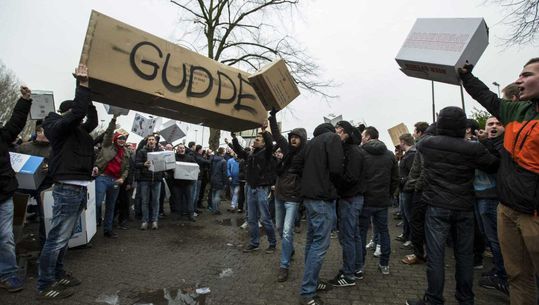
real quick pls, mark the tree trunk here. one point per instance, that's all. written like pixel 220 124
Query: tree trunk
pixel 213 142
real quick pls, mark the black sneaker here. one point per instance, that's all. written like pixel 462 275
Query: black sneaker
pixel 12 284
pixel 312 301
pixel 323 286
pixel 415 302
pixel 270 250
pixel 494 282
pixel 54 291
pixel 68 280
pixel 283 275
pixel 359 275
pixel 250 248
pixel 110 235
pixel 341 281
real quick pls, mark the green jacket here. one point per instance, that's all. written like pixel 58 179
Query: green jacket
pixel 108 152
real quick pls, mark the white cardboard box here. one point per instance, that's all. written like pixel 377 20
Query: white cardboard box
pixel 85 228
pixel 186 171
pixel 437 47
pixel 42 104
pixel 162 161
pixel 144 126
pixel 116 110
pixel 171 131
pixel 29 170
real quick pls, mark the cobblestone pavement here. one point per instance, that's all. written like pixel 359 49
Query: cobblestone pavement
pixel 181 254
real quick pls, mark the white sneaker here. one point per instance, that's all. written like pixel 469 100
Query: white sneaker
pixel 407 244
pixel 378 251
pixel 370 245
pixel 154 225
pixel 259 224
pixel 144 226
pixel 244 225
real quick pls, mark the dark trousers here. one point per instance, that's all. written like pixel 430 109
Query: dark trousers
pixel 172 198
pixel 442 223
pixel 417 224
pixel 201 193
pixel 162 196
pixel 122 205
pixel 479 244
pixel 241 195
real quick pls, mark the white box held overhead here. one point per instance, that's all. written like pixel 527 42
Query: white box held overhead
pixel 437 47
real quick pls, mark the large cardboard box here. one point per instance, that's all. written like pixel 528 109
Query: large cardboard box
pixel 171 131
pixel 116 110
pixel 186 171
pixel 144 126
pixel 274 85
pixel 29 170
pixel 132 69
pixel 42 104
pixel 162 161
pixel 437 47
pixel 85 228
pixel 396 131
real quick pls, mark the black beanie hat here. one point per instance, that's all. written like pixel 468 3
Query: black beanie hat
pixel 451 122
pixel 65 106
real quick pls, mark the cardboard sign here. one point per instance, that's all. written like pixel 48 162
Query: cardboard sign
pixel 85 228
pixel 396 131
pixel 334 120
pixel 42 104
pixel 274 85
pixel 437 47
pixel 132 69
pixel 116 110
pixel 144 126
pixel 161 161
pixel 171 131
pixel 186 171
pixel 29 170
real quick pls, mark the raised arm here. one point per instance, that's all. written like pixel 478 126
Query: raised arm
pixel 279 138
pixel 16 123
pixel 268 141
pixel 236 147
pixel 480 92
pixel 109 133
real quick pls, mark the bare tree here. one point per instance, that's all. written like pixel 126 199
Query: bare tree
pixel 522 17
pixel 9 94
pixel 239 32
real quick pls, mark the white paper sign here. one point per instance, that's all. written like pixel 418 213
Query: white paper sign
pixel 116 110
pixel 42 104
pixel 144 126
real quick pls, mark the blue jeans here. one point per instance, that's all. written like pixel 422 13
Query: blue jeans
pixel 487 209
pixel 320 220
pixel 146 189
pixel 405 199
pixel 69 200
pixel 285 216
pixel 439 223
pixel 106 185
pixel 8 260
pixel 379 221
pixel 234 191
pixel 257 201
pixel 194 193
pixel 215 199
pixel 349 235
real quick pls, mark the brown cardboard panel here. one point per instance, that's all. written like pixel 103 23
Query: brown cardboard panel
pixel 275 85
pixel 135 70
pixel 396 131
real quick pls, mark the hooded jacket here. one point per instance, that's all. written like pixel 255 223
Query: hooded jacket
pixel 218 176
pixel 288 185
pixel 109 150
pixel 381 174
pixel 259 167
pixel 323 159
pixel 8 134
pixel 405 166
pixel 72 156
pixel 518 176
pixel 351 183
pixel 450 162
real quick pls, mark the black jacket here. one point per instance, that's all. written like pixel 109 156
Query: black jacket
pixel 218 177
pixel 381 174
pixel 72 156
pixel 187 157
pixel 323 159
pixel 450 162
pixel 143 173
pixel 8 134
pixel 405 166
pixel 259 167
pixel 351 182
pixel 288 185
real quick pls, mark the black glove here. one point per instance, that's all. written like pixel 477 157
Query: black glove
pixel 466 69
pixel 273 111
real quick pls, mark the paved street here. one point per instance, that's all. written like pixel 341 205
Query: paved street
pixel 140 264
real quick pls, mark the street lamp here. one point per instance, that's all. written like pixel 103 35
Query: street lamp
pixel 497 85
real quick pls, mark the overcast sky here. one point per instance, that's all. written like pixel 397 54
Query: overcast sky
pixel 354 41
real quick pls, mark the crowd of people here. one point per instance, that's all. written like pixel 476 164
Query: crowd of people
pixel 455 183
